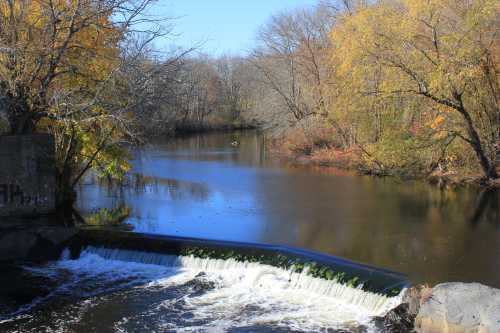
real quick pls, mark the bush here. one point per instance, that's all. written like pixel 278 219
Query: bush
pixel 307 139
pixel 106 217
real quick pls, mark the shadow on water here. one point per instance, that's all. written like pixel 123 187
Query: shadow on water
pixel 205 186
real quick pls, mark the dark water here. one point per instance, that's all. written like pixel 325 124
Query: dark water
pixel 203 186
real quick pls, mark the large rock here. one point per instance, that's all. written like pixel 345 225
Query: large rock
pixel 460 308
pixel 398 320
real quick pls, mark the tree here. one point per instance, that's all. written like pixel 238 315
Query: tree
pixel 292 58
pixel 442 53
pixel 61 70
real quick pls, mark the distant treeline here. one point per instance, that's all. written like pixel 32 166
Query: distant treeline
pixel 191 93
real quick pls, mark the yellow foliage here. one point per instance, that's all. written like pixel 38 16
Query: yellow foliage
pixel 401 64
pixel 437 122
pixel 66 56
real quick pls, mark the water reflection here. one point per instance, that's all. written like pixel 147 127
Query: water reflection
pixel 487 207
pixel 203 186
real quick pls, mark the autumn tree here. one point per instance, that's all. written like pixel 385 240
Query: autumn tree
pixel 434 61
pixel 155 84
pixel 61 71
pixel 187 92
pixel 228 69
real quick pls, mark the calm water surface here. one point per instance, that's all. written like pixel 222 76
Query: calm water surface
pixel 203 186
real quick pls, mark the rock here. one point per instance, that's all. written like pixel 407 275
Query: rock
pixel 398 320
pixel 460 308
pixel 414 297
pixel 495 183
pixel 201 283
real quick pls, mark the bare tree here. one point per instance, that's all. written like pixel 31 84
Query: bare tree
pixel 291 60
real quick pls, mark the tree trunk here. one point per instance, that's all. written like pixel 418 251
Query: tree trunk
pixel 22 125
pixel 487 166
pixel 21 120
pixel 66 194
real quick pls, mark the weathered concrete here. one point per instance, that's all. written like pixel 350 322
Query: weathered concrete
pixel 16 245
pixel 27 175
pixel 460 308
pixel 33 239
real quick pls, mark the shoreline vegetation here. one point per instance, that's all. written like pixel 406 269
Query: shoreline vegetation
pixel 318 151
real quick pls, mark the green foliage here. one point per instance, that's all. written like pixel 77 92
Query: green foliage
pixel 395 154
pixel 106 217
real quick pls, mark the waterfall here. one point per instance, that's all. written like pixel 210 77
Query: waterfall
pixel 255 275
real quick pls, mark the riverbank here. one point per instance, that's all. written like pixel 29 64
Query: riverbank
pixel 321 148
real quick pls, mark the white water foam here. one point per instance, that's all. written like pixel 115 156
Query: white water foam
pixel 301 297
pixel 240 295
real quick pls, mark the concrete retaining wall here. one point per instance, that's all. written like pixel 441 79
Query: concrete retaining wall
pixel 27 175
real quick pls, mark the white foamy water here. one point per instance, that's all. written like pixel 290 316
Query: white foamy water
pixel 293 299
pixel 187 294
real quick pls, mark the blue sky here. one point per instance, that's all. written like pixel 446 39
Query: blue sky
pixel 225 26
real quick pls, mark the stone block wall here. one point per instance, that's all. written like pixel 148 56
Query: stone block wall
pixel 27 175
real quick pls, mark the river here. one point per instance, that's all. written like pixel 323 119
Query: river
pixel 205 186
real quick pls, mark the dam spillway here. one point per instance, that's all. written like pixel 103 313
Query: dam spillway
pixel 128 290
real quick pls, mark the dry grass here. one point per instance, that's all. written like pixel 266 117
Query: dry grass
pixel 316 146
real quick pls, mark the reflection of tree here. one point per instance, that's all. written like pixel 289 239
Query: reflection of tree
pixel 138 184
pixel 175 189
pixel 217 146
pixel 487 207
pixel 408 227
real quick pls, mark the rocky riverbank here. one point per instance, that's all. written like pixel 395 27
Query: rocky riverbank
pixel 446 308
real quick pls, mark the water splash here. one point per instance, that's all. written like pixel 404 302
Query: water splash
pixel 258 275
pixel 137 291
